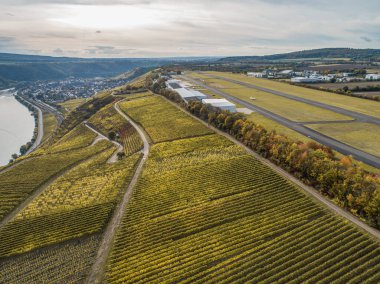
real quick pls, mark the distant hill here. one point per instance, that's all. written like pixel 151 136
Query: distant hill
pixel 354 54
pixel 16 67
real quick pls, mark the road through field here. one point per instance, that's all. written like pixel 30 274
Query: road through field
pixel 97 270
pixel 358 116
pixel 323 139
pixel 309 190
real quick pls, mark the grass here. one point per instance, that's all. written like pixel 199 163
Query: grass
pixel 161 120
pixel 351 103
pixel 289 109
pixel 50 125
pixel 364 136
pixel 272 125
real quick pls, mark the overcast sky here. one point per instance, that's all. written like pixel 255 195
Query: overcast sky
pixel 155 28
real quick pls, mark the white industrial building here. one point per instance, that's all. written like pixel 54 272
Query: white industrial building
pixel 255 74
pixel 190 94
pixel 220 103
pixel 372 77
pixel 304 80
pixel 185 93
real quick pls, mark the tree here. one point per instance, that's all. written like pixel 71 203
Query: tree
pixel 112 135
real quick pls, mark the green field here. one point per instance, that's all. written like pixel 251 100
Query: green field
pixel 351 103
pixel 364 136
pixel 287 108
pixel 204 211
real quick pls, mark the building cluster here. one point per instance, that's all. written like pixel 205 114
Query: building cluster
pixel 63 90
pixel 187 94
pixel 310 76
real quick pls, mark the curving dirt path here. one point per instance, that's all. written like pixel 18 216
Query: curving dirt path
pixel 97 270
pixel 120 148
pixel 307 189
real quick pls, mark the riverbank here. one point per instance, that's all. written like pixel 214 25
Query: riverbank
pixel 38 129
pixel 17 125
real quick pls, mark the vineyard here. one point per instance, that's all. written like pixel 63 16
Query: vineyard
pixel 204 211
pixel 107 120
pixel 66 263
pixel 161 120
pixel 20 181
pixel 76 204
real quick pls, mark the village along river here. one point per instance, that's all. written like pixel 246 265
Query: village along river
pixel 16 126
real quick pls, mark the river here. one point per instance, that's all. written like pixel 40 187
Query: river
pixel 16 126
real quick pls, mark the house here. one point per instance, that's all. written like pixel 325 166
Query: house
pixel 220 103
pixel 372 77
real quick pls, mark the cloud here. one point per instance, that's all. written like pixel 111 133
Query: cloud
pixel 58 51
pixel 367 39
pixel 147 28
pixel 9 14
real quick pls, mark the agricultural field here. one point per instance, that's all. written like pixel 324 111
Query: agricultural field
pixel 79 137
pixel 350 85
pixel 350 103
pixel 50 124
pixel 70 105
pixel 364 136
pixel 23 179
pixel 287 108
pixel 107 120
pixel 65 263
pixel 205 211
pixel 78 203
pixel 161 120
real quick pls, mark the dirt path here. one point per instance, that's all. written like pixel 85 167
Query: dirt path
pixel 97 271
pixel 307 189
pixel 120 148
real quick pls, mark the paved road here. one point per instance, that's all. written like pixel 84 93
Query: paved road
pixel 323 139
pixel 98 268
pixel 358 116
pixel 308 190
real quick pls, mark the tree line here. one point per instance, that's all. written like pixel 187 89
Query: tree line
pixel 316 165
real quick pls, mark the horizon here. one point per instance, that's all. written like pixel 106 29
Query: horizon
pixel 174 57
pixel 164 29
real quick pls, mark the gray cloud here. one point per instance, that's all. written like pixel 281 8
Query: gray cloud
pixel 367 39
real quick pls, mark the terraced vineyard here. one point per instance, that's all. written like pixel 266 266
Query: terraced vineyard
pixel 204 211
pixel 19 182
pixel 64 263
pixel 161 120
pixel 78 203
pixel 107 119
